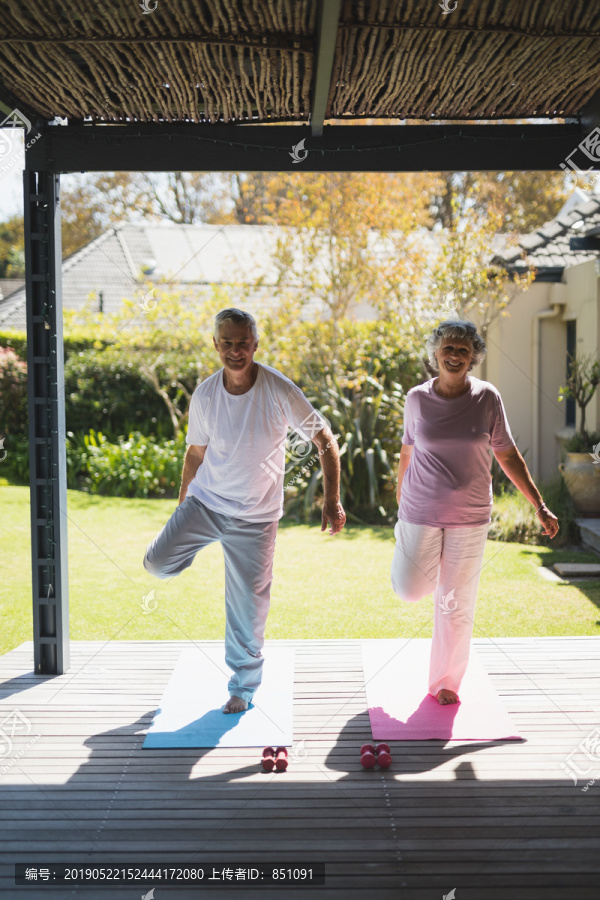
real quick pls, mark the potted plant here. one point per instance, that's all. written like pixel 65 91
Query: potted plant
pixel 581 468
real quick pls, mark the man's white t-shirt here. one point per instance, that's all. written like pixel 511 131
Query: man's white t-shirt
pixel 245 435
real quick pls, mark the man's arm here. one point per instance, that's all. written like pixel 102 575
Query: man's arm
pixel 329 455
pixel 405 455
pixel 194 456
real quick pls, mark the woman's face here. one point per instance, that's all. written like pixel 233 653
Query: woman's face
pixel 454 358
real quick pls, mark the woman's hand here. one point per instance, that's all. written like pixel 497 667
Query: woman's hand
pixel 514 465
pixel 548 520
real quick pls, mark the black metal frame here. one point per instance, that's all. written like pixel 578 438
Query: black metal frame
pixel 190 147
pixel 47 446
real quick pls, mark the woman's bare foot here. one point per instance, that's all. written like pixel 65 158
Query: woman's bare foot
pixel 445 696
pixel 235 705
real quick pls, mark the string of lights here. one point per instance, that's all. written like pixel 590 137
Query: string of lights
pixel 90 133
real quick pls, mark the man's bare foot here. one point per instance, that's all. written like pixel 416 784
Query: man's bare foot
pixel 445 696
pixel 235 705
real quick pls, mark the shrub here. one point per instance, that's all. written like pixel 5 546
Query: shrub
pixel 104 391
pixel 134 467
pixel 582 443
pixel 15 467
pixel 17 341
pixel 307 352
pixel 367 418
pixel 514 519
pixel 13 394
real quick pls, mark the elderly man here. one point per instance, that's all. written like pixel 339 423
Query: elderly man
pixel 232 488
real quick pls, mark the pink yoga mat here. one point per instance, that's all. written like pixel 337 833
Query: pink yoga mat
pixel 401 709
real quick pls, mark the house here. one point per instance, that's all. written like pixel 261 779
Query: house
pixel 126 259
pixel 9 286
pixel 527 349
pixel 557 315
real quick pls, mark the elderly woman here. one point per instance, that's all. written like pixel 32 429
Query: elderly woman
pixel 445 494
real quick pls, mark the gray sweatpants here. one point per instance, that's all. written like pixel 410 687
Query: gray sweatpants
pixel 248 548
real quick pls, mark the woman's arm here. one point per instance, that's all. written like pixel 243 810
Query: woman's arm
pixel 405 455
pixel 515 467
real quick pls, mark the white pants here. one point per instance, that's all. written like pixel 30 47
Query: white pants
pixel 447 562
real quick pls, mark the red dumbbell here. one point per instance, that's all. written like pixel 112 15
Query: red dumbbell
pixel 268 759
pixel 368 757
pixel 384 756
pixel 281 759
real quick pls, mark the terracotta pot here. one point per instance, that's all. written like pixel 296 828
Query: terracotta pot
pixel 582 477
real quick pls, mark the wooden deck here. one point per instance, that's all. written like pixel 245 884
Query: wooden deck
pixel 492 820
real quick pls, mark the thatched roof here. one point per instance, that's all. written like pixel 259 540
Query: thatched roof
pixel 256 60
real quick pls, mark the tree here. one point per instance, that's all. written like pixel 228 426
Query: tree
pixel 342 231
pixel 164 336
pixel 463 281
pixel 85 213
pixel 259 197
pixel 582 381
pixel 522 200
pixel 92 203
pixel 186 197
pixel 12 252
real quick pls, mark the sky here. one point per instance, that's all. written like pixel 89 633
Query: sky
pixel 12 163
pixel 11 175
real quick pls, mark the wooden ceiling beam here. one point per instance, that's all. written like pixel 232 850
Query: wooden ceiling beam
pixel 327 29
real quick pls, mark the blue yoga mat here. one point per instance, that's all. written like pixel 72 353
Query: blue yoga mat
pixel 191 714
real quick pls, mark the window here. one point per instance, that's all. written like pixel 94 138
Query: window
pixel 571 349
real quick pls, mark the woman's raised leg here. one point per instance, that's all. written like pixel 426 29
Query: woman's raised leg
pixel 416 559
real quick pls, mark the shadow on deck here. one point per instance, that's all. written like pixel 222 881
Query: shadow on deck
pixel 490 819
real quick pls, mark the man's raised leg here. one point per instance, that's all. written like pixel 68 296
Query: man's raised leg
pixel 191 527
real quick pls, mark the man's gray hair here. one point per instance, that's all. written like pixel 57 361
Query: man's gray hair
pixel 239 317
pixel 461 330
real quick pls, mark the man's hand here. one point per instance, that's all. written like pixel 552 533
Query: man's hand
pixel 329 454
pixel 333 512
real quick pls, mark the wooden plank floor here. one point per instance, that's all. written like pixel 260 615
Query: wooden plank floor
pixel 491 820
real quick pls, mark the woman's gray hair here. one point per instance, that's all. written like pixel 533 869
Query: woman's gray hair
pixel 239 317
pixel 461 330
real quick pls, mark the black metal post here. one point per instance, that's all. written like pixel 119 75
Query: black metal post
pixel 47 447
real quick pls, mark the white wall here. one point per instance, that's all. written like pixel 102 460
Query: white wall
pixel 510 363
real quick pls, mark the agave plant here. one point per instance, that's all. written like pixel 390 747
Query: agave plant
pixel 366 416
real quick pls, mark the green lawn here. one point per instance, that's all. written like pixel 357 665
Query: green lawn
pixel 324 587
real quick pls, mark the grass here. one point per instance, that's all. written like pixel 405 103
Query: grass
pixel 323 587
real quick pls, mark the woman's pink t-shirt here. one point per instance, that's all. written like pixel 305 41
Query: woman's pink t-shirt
pixel 448 481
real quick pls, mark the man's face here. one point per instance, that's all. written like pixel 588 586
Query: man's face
pixel 236 346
